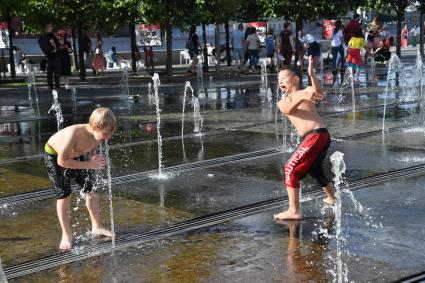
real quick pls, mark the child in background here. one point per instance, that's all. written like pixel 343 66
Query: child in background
pixel 312 48
pixel 382 53
pixel 354 58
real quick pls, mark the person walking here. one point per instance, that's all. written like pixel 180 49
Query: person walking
pixel 337 46
pixel 192 45
pixel 253 42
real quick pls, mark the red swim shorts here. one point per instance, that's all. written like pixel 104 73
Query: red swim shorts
pixel 308 158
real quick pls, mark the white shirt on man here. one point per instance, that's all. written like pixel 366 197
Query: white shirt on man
pixel 252 41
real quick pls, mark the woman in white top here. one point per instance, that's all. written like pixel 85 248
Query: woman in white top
pixel 337 47
pixel 252 41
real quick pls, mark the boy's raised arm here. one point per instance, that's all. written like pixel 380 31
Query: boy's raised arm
pixel 314 81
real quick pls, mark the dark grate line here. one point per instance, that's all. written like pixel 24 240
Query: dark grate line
pixel 196 223
pixel 49 193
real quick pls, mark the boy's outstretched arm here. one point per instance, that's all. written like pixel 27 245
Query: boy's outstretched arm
pixel 314 81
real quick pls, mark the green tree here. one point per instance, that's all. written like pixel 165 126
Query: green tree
pixel 123 13
pixel 71 13
pixel 167 13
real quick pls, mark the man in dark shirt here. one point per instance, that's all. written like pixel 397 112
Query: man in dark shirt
pixel 87 50
pixel 287 44
pixel 53 59
pixel 353 26
pixel 193 45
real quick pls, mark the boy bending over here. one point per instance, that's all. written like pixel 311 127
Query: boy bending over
pixel 299 107
pixel 70 154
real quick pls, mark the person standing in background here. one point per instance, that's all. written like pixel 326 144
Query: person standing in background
pixel 87 48
pixel 192 45
pixel 287 44
pixel 98 59
pixel 253 43
pixel 351 28
pixel 64 50
pixel 337 46
pixel 404 36
pixel 414 34
pixel 238 44
pixel 374 29
pixel 246 55
pixel 270 48
pixel 53 59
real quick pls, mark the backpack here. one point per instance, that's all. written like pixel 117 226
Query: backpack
pixel 43 42
pixel 269 45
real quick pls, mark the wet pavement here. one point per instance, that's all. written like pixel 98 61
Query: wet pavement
pixel 381 243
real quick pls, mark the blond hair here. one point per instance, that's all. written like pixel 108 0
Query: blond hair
pixel 103 118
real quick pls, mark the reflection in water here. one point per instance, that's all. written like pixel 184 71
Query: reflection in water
pixel 201 152
pixel 79 273
pixel 305 261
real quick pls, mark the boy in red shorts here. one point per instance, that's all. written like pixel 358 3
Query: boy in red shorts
pixel 299 106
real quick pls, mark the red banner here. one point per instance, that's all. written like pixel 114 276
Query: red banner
pixel 150 27
pixel 261 29
pixel 148 35
pixel 328 27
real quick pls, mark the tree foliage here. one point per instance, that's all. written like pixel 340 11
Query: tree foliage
pixel 308 10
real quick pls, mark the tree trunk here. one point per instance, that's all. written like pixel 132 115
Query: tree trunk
pixel 398 42
pixel 11 57
pixel 228 58
pixel 217 48
pixel 81 52
pixel 204 39
pixel 298 44
pixel 169 57
pixel 74 48
pixel 133 46
pixel 421 36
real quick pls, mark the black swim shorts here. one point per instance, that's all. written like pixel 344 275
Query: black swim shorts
pixel 61 177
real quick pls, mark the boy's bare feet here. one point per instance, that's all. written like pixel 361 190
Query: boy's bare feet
pixel 66 243
pixel 101 232
pixel 329 201
pixel 287 215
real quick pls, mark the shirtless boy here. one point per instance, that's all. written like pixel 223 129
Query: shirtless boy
pixel 70 154
pixel 299 107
